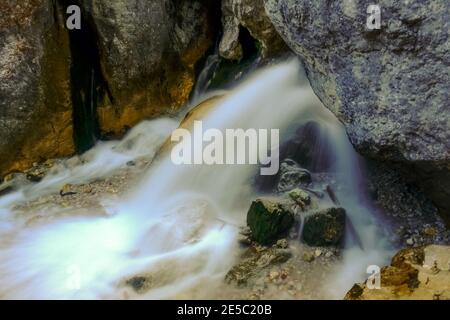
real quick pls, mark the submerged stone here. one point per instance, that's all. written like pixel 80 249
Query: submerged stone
pixel 325 227
pixel 268 221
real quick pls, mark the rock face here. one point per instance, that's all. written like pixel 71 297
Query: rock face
pixel 268 220
pixel 416 273
pixel 148 51
pixel 141 55
pixel 325 227
pixel 35 102
pixel 389 86
pixel 251 15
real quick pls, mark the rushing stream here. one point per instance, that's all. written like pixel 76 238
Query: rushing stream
pixel 180 223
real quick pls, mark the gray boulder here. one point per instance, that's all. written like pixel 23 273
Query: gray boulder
pixel 390 87
pixel 148 51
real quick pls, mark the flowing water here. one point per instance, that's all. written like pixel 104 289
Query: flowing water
pixel 179 225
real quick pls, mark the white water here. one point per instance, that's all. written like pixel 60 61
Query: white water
pixel 180 224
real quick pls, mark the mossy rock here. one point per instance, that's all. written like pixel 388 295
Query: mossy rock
pixel 325 227
pixel 268 221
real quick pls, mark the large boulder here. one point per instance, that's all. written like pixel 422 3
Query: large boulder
pixel 35 97
pixel 325 227
pixel 268 220
pixel 389 86
pixel 147 51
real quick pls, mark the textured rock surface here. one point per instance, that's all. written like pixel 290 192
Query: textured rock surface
pixel 249 14
pixel 417 274
pixel 148 50
pixel 268 220
pixel 388 86
pixel 325 227
pixel 35 103
pixel 147 53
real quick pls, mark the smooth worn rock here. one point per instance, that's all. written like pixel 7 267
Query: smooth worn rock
pixel 325 227
pixel 268 220
pixel 389 86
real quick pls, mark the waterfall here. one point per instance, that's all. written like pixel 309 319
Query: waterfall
pixel 179 225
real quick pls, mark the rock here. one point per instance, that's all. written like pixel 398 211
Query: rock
pixel 325 227
pixel 254 262
pixel 412 275
pixel 386 86
pixel 308 256
pixel 251 15
pixel 300 196
pixel 317 252
pixel 282 244
pixel 268 220
pixel 140 284
pixel 291 176
pixel 148 51
pixel 35 96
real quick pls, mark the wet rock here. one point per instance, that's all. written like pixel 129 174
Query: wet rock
pixel 291 176
pixel 308 256
pixel 268 220
pixel 377 82
pixel 325 227
pixel 415 273
pixel 255 261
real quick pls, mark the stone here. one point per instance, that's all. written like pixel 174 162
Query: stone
pixel 291 176
pixel 35 95
pixel 148 51
pixel 282 243
pixel 299 195
pixel 389 87
pixel 308 256
pixel 411 276
pixel 268 220
pixel 325 227
pixel 255 261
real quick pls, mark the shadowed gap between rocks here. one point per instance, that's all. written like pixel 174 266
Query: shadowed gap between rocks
pixel 88 86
